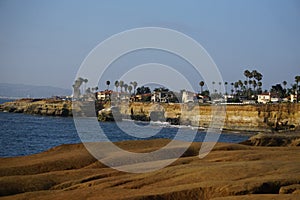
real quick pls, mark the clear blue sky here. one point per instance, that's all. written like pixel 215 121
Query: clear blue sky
pixel 44 42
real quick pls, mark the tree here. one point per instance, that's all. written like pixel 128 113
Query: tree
pixel 125 87
pixel 84 81
pixel 278 90
pixel 250 82
pixel 201 83
pixel 236 86
pixel 129 89
pixel 284 83
pixel 226 83
pixel 76 87
pixel 232 85
pixel 259 87
pixel 250 75
pixel 121 84
pixel 162 89
pixel 88 90
pixel 213 83
pixel 258 76
pixel 247 74
pixel 246 83
pixel 254 85
pixel 240 83
pixel 134 84
pixel 220 87
pixel 143 90
pixel 107 83
pixel 297 80
pixel 117 85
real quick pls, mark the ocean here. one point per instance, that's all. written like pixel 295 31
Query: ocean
pixel 23 134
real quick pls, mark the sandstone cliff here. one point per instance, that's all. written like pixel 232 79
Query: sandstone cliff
pixel 50 107
pixel 269 117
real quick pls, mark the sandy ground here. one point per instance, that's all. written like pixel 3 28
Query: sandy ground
pixel 230 171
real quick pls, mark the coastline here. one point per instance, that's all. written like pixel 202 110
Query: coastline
pixel 239 118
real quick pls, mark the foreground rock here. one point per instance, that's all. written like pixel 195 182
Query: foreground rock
pixel 230 171
pixel 274 139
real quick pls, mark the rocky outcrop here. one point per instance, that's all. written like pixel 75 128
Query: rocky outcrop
pixel 229 171
pixel 50 107
pixel 109 114
pixel 267 139
pixel 267 118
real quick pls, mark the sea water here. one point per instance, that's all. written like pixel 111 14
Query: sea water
pixel 24 134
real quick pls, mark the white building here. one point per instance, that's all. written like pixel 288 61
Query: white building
pixel 293 98
pixel 104 95
pixel 187 96
pixel 159 96
pixel 264 98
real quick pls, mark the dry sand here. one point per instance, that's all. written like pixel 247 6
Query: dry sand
pixel 230 171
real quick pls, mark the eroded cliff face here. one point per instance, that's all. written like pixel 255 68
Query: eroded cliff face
pixel 48 107
pixel 267 117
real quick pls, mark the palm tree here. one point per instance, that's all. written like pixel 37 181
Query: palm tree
pixel 236 85
pixel 226 83
pixel 84 81
pixel 121 84
pixel 250 75
pixel 125 87
pixel 117 85
pixel 107 83
pixel 254 85
pixel 220 87
pixel 201 83
pixel 247 74
pixel 76 87
pixel 259 86
pixel 232 85
pixel 129 89
pixel 134 84
pixel 250 83
pixel 213 85
pixel 258 76
pixel 297 80
pixel 240 82
pixel 246 84
pixel 284 83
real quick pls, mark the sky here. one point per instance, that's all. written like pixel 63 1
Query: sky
pixel 45 42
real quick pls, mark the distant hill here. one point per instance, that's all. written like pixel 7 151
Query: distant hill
pixel 20 90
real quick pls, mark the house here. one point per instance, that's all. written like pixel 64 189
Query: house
pixel 188 96
pixel 264 98
pixel 159 96
pixel 293 98
pixel 104 95
pixel 202 98
pixel 275 98
pixel 228 98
